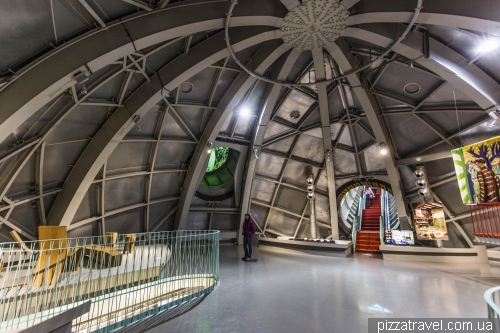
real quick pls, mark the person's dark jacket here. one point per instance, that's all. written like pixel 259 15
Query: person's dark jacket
pixel 248 228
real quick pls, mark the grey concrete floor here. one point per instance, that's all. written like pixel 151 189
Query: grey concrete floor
pixel 289 291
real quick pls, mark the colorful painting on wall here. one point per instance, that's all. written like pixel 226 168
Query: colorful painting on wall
pixel 429 221
pixel 478 171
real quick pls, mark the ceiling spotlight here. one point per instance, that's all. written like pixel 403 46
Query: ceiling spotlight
pixel 421 183
pixel 209 145
pixel 310 195
pixel 256 153
pixel 419 174
pixel 310 188
pixel 423 192
pixel 244 111
pixel 295 114
pixel 383 150
pixel 488 45
pixel 328 155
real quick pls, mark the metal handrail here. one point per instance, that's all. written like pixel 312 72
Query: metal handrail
pixel 356 225
pixel 490 296
pixel 126 279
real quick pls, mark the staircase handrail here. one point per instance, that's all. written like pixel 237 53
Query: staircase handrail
pixel 385 217
pixel 490 296
pixel 356 225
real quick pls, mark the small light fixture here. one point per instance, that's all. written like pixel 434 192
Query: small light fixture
pixel 310 188
pixel 209 145
pixel 328 155
pixel 419 174
pixel 488 45
pixel 410 64
pixel 137 120
pixel 256 153
pixel 383 150
pixel 310 195
pixel 421 183
pixel 423 192
pixel 310 180
pixel 494 119
pixel 84 90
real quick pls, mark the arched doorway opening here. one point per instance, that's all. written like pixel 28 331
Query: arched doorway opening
pixel 366 208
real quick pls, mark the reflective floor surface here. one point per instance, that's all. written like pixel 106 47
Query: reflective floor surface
pixel 289 291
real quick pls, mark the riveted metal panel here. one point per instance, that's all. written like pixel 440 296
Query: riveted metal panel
pixel 58 159
pixel 283 145
pixel 127 222
pixel 373 159
pixel 269 165
pixel 88 207
pixel 25 179
pixel 26 216
pixel 124 192
pixel 296 173
pixel 282 222
pixel 291 199
pixel 274 128
pixel 262 190
pixel 310 148
pixel 172 156
pixel 197 221
pixel 296 101
pixel 344 162
pixel 128 155
pixel 166 185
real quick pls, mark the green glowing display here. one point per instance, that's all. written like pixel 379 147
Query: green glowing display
pixel 217 158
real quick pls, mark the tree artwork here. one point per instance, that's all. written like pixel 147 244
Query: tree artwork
pixel 478 171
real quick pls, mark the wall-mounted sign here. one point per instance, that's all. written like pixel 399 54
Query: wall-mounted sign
pixel 478 170
pixel 401 237
pixel 429 221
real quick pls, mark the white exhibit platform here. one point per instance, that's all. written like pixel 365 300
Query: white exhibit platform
pixel 339 248
pixel 477 254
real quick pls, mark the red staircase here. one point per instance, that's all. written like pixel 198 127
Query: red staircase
pixel 368 238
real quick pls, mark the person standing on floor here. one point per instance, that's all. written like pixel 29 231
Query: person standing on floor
pixel 369 196
pixel 248 232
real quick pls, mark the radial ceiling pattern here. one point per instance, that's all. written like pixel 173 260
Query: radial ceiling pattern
pixel 106 108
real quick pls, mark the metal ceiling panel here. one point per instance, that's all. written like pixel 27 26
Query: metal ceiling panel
pixel 128 155
pixel 335 106
pixel 303 61
pixel 173 156
pixel 193 117
pixel 448 120
pixel 59 158
pixel 83 122
pixel 340 182
pixel 226 128
pixel 197 221
pixel 449 194
pixel 407 178
pixel 159 211
pixel 225 222
pixel 322 182
pixel 312 120
pixel 282 146
pixel 362 138
pixel 460 42
pixel 439 167
pixel 322 210
pixel 304 229
pixel 389 104
pixel 344 162
pixel 262 190
pixel 200 92
pixel 295 102
pixel 410 134
pixel 274 128
pixel 310 148
pixel 259 214
pixel 147 127
pixel 315 132
pixel 25 179
pixel 126 223
pixel 89 229
pixel 109 90
pixel 269 165
pixel 444 97
pixel 172 130
pixel 345 138
pixel 227 77
pixel 480 133
pixel 291 199
pixel 296 173
pixel 26 216
pixel 373 160
pixel 282 222
pixel 397 76
pixel 124 192
pixel 166 185
pixel 88 207
pixel 48 200
pixel 335 130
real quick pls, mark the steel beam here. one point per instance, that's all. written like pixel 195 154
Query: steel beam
pixel 319 69
pixel 424 158
pixel 38 83
pixel 264 57
pixel 346 62
pixel 138 104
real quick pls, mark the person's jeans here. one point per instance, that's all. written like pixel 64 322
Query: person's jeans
pixel 247 245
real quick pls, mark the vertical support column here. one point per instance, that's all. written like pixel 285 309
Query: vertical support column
pixel 100 201
pixel 39 182
pixel 319 69
pixel 346 62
